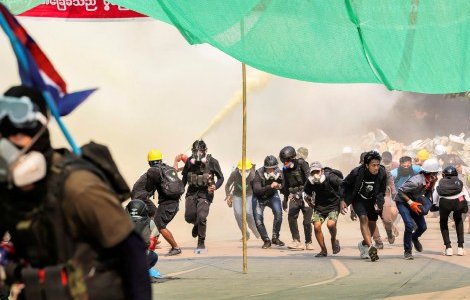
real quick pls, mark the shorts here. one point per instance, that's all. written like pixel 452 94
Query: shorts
pixel 322 217
pixel 166 211
pixel 365 208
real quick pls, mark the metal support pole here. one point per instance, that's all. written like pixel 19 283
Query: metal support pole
pixel 245 257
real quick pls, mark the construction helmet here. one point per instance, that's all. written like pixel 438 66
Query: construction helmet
pixel 431 166
pixel 440 150
pixel 154 155
pixel 422 155
pixel 248 165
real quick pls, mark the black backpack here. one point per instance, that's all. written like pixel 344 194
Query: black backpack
pixel 328 172
pixel 171 186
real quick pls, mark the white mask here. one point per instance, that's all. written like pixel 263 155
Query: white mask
pixel 21 169
pixel 316 178
pixel 273 176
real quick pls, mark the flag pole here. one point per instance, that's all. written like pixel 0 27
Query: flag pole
pixel 22 58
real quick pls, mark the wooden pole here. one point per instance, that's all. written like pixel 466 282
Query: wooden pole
pixel 245 256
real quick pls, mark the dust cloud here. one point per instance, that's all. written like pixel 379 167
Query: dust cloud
pixel 157 91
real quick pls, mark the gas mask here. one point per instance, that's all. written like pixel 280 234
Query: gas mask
pixel 272 176
pixel 199 156
pixel 288 165
pixel 18 166
pixel 317 178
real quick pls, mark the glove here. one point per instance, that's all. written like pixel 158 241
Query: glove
pixel 415 207
pixel 153 243
pixel 229 200
pixel 284 204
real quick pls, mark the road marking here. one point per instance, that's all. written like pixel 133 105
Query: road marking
pixel 341 271
pixel 184 272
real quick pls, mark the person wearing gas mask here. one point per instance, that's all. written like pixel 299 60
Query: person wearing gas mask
pixel 267 183
pixel 405 171
pixel 98 257
pixel 199 173
pixel 233 196
pixel 322 188
pixel 296 172
pixel 365 188
pixel 449 196
pixel 414 202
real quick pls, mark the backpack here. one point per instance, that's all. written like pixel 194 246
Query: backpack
pixel 97 159
pixel 171 186
pixel 328 172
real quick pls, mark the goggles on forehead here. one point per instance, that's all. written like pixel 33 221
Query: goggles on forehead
pixel 20 111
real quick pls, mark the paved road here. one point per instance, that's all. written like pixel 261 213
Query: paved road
pixel 278 273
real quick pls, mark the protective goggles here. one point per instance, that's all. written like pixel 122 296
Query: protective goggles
pixel 20 112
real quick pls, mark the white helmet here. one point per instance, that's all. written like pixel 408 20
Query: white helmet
pixel 440 150
pixel 431 166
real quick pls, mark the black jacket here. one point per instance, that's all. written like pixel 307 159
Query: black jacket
pixel 325 194
pixel 352 183
pixel 262 188
pixel 214 170
pixel 302 170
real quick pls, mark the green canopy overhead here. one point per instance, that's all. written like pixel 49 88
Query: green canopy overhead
pixel 411 45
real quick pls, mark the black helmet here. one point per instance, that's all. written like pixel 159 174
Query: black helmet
pixel 137 208
pixel 450 171
pixel 199 145
pixel 287 153
pixel 270 161
pixel 371 155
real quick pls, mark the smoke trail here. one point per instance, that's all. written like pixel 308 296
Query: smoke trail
pixel 257 81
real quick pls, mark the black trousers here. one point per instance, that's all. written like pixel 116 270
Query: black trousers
pixel 295 207
pixel 446 206
pixel 196 212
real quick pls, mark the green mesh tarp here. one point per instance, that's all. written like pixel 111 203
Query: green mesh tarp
pixel 419 46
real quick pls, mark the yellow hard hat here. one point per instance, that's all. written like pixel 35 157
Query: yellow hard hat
pixel 422 154
pixel 248 165
pixel 154 154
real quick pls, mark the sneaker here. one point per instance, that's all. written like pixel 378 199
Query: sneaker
pixel 321 254
pixel 200 244
pixel 460 251
pixel 266 245
pixel 418 246
pixel 295 246
pixel 391 240
pixel 277 242
pixel 336 247
pixel 362 250
pixel 379 245
pixel 174 251
pixel 194 232
pixel 309 246
pixel 373 253
pixel 449 252
pixel 408 256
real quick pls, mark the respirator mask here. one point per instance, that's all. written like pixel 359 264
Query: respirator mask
pixel 272 176
pixel 20 167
